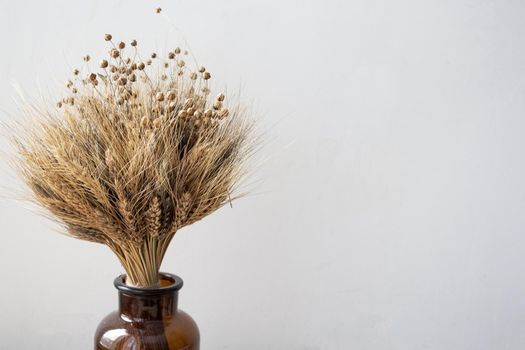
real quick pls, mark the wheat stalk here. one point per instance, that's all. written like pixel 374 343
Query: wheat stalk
pixel 136 151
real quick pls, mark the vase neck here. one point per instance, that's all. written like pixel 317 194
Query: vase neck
pixel 148 307
pixel 149 303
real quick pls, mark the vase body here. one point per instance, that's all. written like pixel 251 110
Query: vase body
pixel 148 319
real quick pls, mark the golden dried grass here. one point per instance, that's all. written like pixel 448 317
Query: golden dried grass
pixel 137 151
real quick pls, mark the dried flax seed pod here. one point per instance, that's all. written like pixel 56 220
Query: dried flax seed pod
pixel 171 95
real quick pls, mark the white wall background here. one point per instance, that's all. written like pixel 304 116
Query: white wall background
pixel 388 212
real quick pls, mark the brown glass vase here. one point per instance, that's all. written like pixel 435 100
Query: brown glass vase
pixel 148 319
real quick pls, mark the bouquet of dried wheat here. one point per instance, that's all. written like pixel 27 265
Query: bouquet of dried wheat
pixel 137 150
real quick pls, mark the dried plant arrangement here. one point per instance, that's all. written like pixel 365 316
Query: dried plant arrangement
pixel 137 150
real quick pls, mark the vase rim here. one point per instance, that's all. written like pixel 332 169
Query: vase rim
pixel 175 284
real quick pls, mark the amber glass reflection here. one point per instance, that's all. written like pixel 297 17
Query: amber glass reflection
pixel 148 319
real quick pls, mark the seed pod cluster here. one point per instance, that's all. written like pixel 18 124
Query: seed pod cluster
pixel 133 84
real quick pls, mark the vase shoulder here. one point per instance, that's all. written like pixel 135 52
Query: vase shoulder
pixel 177 332
pixel 182 330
